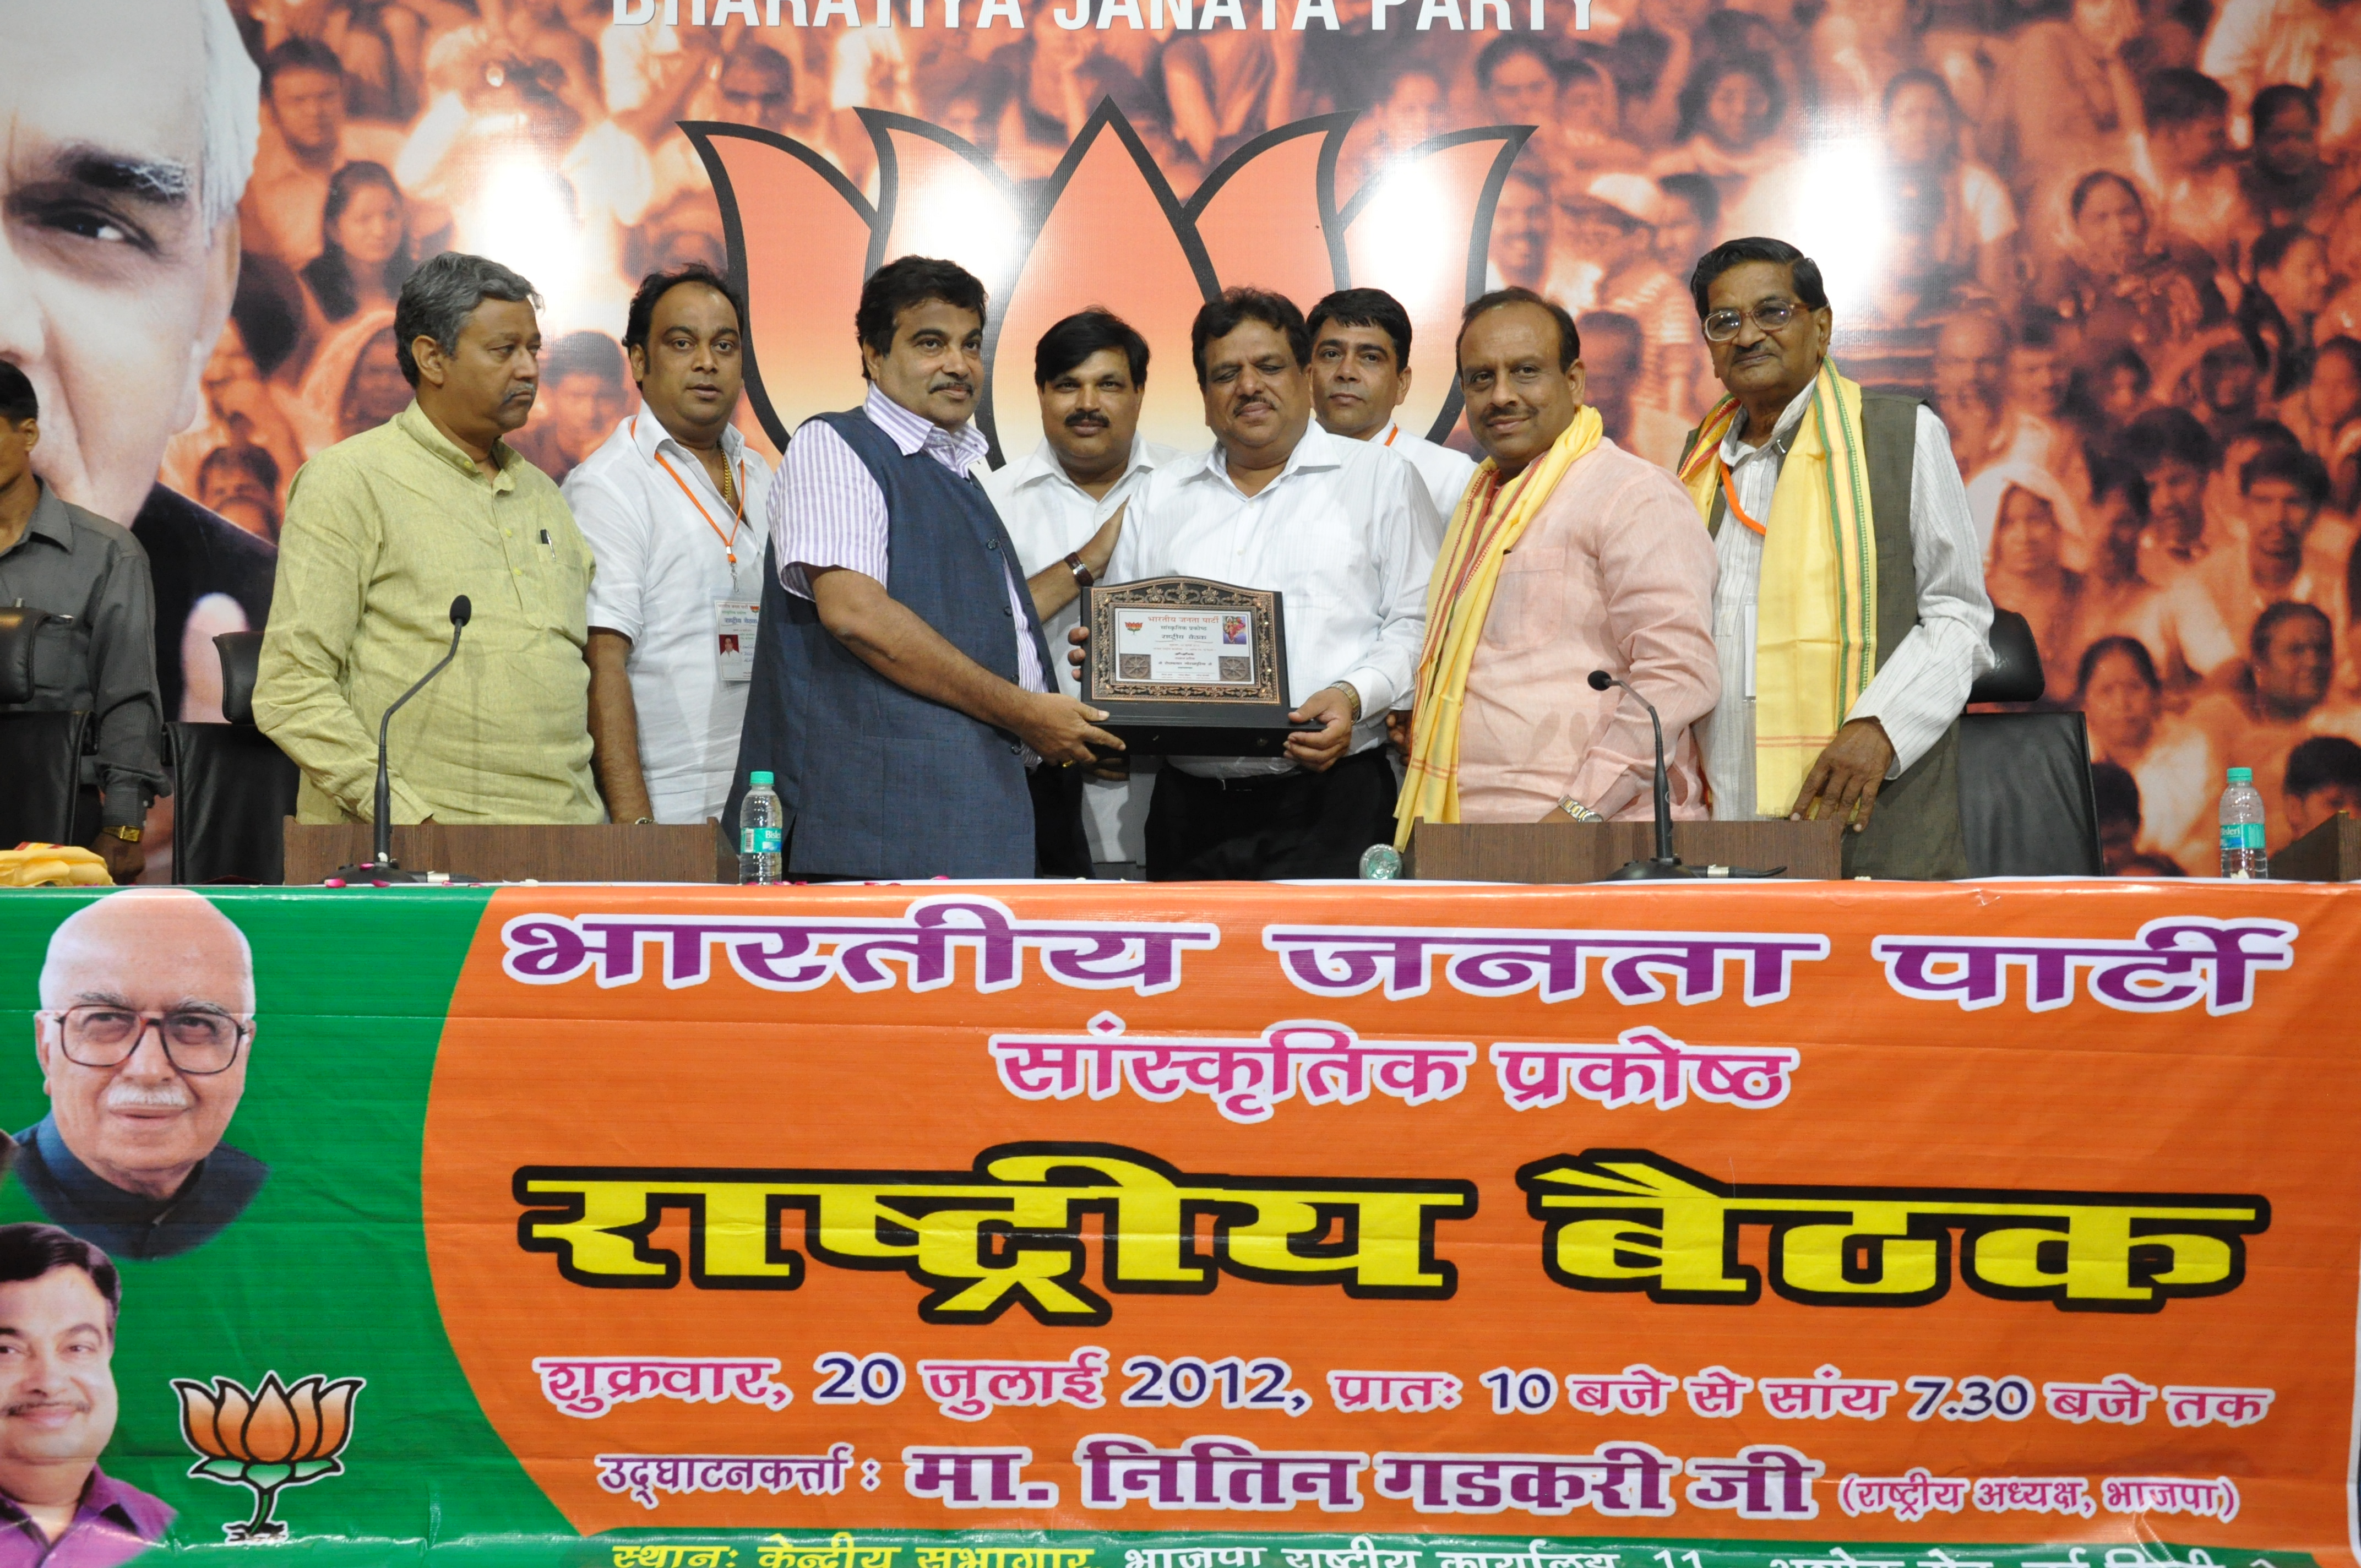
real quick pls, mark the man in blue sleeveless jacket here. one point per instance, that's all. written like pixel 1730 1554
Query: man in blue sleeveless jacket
pixel 900 688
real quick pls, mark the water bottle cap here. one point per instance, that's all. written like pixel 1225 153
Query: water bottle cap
pixel 2242 775
pixel 762 779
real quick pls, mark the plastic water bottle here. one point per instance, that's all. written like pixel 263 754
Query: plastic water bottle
pixel 758 833
pixel 2242 827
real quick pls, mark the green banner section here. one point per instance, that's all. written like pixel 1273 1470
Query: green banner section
pixel 326 1272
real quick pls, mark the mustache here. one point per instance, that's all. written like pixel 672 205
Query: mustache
pixel 1082 418
pixel 124 1096
pixel 945 383
pixel 27 1407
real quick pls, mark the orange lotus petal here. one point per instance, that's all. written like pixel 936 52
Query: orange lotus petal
pixel 1259 213
pixel 199 1412
pixel 335 1418
pixel 237 1404
pixel 799 235
pixel 270 1431
pixel 945 199
pixel 304 1401
pixel 1421 231
pixel 1116 235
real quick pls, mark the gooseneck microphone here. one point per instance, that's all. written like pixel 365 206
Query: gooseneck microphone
pixel 383 867
pixel 1666 864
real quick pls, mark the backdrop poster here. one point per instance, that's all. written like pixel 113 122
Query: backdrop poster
pixel 904 1226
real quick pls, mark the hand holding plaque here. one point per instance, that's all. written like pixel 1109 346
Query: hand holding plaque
pixel 1186 667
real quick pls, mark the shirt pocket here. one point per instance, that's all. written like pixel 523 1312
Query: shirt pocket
pixel 568 587
pixel 1529 601
pixel 61 664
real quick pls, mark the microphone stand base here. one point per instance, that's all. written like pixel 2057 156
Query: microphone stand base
pixel 1651 870
pixel 372 872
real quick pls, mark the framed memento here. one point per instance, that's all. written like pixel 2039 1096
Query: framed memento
pixel 1186 667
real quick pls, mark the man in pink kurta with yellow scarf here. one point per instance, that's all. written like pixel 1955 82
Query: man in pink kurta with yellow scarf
pixel 1568 554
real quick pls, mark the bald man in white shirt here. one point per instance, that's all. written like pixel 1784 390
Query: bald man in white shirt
pixel 1347 531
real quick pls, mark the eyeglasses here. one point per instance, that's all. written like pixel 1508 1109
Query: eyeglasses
pixel 1721 326
pixel 195 1041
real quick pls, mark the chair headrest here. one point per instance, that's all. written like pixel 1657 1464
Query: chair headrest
pixel 241 659
pixel 18 629
pixel 2016 674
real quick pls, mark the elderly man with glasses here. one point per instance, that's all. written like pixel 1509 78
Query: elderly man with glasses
pixel 146 1013
pixel 1850 614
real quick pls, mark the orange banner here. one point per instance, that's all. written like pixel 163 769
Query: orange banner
pixel 2012 1213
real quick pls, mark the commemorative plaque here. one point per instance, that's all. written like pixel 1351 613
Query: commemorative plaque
pixel 1185 667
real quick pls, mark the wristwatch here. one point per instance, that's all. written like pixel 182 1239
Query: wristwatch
pixel 1083 575
pixel 128 835
pixel 1576 810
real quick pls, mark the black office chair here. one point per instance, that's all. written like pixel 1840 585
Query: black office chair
pixel 42 795
pixel 2025 803
pixel 232 789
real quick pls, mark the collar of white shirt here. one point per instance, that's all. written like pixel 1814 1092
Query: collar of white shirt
pixel 913 431
pixel 1734 451
pixel 1318 450
pixel 648 433
pixel 1041 463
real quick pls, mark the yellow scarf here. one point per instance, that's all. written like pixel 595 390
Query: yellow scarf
pixel 1816 614
pixel 1490 519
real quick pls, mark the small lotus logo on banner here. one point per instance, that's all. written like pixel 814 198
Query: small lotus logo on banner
pixel 268 1439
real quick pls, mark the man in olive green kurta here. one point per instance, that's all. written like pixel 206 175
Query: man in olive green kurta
pixel 383 531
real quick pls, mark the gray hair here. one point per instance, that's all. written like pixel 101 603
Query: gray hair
pixel 442 295
pixel 231 122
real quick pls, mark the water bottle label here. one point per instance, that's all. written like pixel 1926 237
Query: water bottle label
pixel 758 840
pixel 2243 836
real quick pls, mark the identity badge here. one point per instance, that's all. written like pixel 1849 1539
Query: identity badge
pixel 734 621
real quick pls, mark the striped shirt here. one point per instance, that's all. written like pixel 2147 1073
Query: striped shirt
pixel 826 509
pixel 1921 685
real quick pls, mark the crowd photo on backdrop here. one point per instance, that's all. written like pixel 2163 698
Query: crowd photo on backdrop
pixel 282 270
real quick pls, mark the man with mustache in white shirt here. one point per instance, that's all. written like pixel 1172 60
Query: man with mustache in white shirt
pixel 1346 532
pixel 1063 506
pixel 1360 376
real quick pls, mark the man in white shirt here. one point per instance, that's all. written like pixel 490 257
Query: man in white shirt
pixel 1346 532
pixel 1893 713
pixel 1063 506
pixel 664 502
pixel 1360 375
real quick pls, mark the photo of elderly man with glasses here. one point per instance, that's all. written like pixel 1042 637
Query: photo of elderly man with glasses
pixel 146 1014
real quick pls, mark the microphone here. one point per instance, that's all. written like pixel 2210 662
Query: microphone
pixel 384 867
pixel 1665 865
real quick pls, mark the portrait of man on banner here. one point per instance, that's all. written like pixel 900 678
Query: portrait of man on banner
pixel 59 1297
pixel 143 1036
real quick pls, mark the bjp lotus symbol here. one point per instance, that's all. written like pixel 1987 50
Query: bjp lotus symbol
pixel 272 1437
pixel 1108 228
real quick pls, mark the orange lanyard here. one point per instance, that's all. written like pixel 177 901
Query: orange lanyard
pixel 1729 495
pixel 1391 433
pixel 728 540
